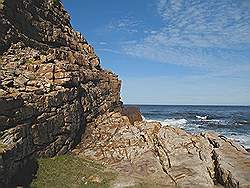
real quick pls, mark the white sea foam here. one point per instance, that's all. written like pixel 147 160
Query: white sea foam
pixel 143 118
pixel 213 120
pixel 175 122
pixel 201 117
pixel 205 119
pixel 241 139
pixel 170 122
pixel 183 123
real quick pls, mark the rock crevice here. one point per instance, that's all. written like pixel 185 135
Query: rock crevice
pixel 51 84
pixel 55 97
pixel 165 155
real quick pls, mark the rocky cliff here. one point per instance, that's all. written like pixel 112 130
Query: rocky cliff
pixel 169 157
pixel 51 83
pixel 55 97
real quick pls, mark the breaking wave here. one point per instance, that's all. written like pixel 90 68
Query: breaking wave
pixel 170 122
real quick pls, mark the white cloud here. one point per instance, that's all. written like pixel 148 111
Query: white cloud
pixel 126 24
pixel 198 33
pixel 103 43
pixel 108 50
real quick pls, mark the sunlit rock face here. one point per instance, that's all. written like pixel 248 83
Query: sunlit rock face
pixel 55 97
pixel 51 83
pixel 150 153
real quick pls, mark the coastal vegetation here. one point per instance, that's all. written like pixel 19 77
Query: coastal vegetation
pixel 71 171
pixel 63 123
pixel 56 2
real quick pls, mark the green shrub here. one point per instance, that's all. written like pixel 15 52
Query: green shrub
pixel 56 2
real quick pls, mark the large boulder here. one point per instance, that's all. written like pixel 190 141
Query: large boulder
pixel 133 113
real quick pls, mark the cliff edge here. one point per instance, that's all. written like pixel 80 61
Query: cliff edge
pixel 51 83
pixel 55 98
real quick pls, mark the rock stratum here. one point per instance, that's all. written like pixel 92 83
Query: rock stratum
pixel 51 83
pixel 56 98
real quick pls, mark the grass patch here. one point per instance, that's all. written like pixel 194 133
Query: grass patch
pixel 71 171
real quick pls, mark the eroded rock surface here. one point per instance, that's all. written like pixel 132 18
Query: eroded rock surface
pixel 165 155
pixel 54 94
pixel 51 83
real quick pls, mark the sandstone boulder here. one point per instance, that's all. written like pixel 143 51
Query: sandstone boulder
pixel 133 114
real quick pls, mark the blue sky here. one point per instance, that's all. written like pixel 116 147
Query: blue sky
pixel 171 51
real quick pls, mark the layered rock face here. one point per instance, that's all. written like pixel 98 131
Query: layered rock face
pixel 54 96
pixel 51 83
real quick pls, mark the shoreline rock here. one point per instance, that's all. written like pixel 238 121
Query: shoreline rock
pixel 133 113
pixel 166 155
pixel 55 97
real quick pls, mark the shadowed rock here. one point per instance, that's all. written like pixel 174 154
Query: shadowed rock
pixel 133 114
pixel 54 96
pixel 51 83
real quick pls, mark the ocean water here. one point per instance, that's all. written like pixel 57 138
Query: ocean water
pixel 230 121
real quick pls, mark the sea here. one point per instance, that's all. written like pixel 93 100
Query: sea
pixel 230 121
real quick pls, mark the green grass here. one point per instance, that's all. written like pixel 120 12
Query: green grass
pixel 71 171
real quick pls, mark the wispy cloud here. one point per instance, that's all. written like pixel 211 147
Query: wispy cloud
pixel 223 23
pixel 109 50
pixel 126 24
pixel 198 33
pixel 103 43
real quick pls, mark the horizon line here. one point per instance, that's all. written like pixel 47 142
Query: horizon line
pixel 147 104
